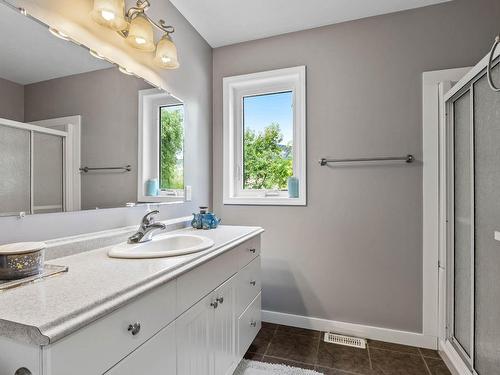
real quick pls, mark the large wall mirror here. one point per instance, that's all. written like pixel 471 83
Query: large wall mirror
pixel 71 137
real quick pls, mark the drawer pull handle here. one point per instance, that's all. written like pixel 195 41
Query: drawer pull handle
pixel 214 304
pixel 252 250
pixel 22 371
pixel 220 300
pixel 253 282
pixel 253 324
pixel 134 329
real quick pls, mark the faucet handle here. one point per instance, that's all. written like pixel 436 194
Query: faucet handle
pixel 148 218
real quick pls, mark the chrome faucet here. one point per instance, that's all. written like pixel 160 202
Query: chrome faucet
pixel 146 229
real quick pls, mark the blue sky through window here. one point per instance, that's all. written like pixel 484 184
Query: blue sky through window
pixel 262 110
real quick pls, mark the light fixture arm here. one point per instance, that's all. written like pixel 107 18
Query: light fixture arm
pixel 141 7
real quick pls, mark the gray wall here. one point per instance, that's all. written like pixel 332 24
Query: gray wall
pixel 192 83
pixel 11 100
pixel 108 102
pixel 354 254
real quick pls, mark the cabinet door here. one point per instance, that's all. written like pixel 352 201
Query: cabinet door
pixel 223 337
pixel 194 352
pixel 155 356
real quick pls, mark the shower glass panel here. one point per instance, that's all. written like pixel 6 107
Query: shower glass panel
pixel 462 222
pixel 15 185
pixel 47 173
pixel 487 221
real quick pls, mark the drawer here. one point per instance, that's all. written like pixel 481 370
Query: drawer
pixel 98 346
pixel 197 283
pixel 248 285
pixel 249 324
pixel 248 251
pixel 156 356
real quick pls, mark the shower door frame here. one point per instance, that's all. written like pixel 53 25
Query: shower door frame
pixel 451 348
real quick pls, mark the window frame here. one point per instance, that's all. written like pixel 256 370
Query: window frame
pixel 235 89
pixel 150 102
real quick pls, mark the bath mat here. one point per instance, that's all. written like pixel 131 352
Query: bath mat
pixel 247 367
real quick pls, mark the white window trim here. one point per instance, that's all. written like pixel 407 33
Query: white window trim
pixel 150 101
pixel 234 89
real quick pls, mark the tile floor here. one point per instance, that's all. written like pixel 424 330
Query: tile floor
pixel 306 349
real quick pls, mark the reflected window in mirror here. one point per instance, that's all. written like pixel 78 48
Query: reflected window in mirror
pixel 161 147
pixel 171 149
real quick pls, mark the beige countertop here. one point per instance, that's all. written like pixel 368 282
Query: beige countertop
pixel 95 285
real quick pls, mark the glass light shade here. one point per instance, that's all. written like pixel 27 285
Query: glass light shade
pixel 166 54
pixel 140 34
pixel 110 13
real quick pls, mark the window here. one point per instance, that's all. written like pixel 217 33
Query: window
pixel 171 162
pixel 161 147
pixel 264 138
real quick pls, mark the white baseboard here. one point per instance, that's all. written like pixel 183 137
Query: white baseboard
pixel 358 330
pixel 452 359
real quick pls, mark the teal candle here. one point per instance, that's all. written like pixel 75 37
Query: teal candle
pixel 293 187
pixel 152 187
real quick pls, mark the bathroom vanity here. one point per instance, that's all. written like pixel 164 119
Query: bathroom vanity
pixel 193 314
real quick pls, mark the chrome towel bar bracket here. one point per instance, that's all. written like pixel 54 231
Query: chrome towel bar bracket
pixel 407 159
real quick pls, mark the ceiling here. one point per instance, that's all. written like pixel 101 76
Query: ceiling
pixel 31 54
pixel 223 22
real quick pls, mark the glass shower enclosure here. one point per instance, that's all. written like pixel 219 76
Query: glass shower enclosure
pixel 32 169
pixel 473 223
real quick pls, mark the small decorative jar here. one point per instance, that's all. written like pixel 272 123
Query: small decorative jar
pixel 20 260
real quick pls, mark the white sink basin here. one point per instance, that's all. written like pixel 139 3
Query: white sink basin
pixel 167 245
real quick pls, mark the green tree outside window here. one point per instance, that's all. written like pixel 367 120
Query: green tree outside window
pixel 171 147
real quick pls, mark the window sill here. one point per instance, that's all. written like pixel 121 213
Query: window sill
pixel 161 199
pixel 265 201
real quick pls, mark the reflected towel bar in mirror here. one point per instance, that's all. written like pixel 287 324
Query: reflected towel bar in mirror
pixel 126 168
pixel 407 159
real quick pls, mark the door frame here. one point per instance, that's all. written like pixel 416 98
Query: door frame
pixel 434 85
pixel 72 159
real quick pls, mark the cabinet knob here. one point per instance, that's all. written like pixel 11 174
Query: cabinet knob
pixel 22 371
pixel 252 250
pixel 253 282
pixel 220 300
pixel 253 324
pixel 135 328
pixel 214 304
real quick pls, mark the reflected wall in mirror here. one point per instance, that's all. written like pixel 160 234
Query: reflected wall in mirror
pixel 69 127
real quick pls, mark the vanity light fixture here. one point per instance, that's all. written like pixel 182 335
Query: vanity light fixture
pixel 137 28
pixel 125 71
pixel 59 34
pixel 96 54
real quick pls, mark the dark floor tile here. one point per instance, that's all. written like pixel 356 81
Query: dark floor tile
pixel 281 361
pixel 298 331
pixel 269 326
pixel 437 366
pixel 262 340
pixel 394 347
pixel 397 363
pixel 253 356
pixel 331 371
pixel 429 353
pixel 299 348
pixel 343 358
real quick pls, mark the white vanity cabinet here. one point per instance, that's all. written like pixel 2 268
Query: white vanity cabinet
pixel 206 334
pixel 200 323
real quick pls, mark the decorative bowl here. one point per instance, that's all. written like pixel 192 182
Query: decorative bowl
pixel 23 259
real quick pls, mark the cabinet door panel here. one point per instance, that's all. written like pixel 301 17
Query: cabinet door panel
pixel 156 356
pixel 223 329
pixel 194 352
